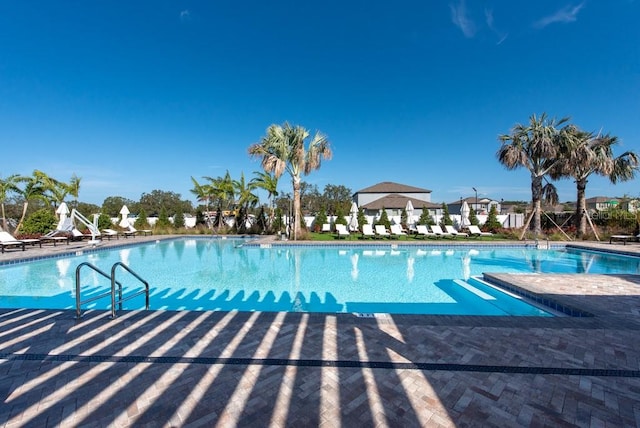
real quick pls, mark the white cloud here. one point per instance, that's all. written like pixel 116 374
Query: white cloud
pixel 185 15
pixel 460 19
pixel 567 14
pixel 488 14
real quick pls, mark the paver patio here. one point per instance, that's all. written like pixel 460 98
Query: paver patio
pixel 166 368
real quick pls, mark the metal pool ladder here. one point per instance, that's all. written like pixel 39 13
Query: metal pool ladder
pixel 114 301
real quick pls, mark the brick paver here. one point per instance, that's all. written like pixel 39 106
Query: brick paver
pixel 168 368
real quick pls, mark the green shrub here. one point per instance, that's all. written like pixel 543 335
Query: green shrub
pixel 163 220
pixel 446 218
pixel 425 218
pixel 492 224
pixel 340 218
pixel 142 222
pixel 384 219
pixel 178 219
pixel 104 221
pixel 41 221
pixel 321 219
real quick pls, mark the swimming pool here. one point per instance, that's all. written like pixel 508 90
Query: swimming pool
pixel 224 274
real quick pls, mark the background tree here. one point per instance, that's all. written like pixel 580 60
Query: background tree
pixel 362 219
pixel 340 216
pixel 33 190
pixel 112 205
pixel 592 154
pixel 178 219
pixel 403 218
pixel 473 218
pixel 269 183
pixel 283 149
pixel 74 188
pixel 163 219
pixel 446 218
pixel 142 222
pixel 245 199
pixel 383 219
pixel 321 219
pixel 538 146
pixel 154 201
pixel 425 217
pixel 492 224
pixel 7 186
pixel 310 198
pixel 337 196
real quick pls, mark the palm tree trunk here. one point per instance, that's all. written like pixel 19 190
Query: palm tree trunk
pixel 581 208
pixel 25 205
pixel 536 199
pixel 297 231
pixel 4 219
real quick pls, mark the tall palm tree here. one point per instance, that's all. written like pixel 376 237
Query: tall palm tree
pixel 54 190
pixel 593 154
pixel 283 149
pixel 7 185
pixel 245 199
pixel 269 183
pixel 537 146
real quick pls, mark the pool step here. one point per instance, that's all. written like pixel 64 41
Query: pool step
pixel 474 290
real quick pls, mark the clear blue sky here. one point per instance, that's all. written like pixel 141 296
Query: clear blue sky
pixel 133 96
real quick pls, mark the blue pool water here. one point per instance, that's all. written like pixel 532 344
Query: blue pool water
pixel 224 274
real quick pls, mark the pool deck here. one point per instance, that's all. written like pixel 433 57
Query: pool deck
pixel 166 368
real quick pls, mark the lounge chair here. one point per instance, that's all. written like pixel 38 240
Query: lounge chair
pixel 110 233
pixel 623 238
pixel 474 232
pixel 381 231
pixel 396 231
pixel 132 231
pixel 326 228
pixel 440 233
pixel 452 230
pixel 8 241
pixel 342 231
pixel 367 231
pixel 423 231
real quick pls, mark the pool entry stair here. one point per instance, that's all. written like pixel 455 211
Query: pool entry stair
pixel 115 300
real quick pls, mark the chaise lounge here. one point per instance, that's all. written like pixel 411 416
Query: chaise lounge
pixel 8 241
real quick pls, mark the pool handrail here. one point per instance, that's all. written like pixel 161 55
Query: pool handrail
pixel 120 298
pixel 79 303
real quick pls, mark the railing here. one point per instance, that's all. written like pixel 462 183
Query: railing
pixel 112 291
pixel 120 298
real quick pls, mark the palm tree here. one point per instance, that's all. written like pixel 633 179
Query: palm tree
pixel 9 184
pixel 593 154
pixel 202 192
pixel 245 200
pixel 283 149
pixel 221 192
pixel 33 189
pixel 538 146
pixel 269 183
pixel 74 188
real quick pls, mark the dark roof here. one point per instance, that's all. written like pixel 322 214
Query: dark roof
pixel 398 202
pixel 390 187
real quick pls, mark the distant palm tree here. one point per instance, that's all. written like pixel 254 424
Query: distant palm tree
pixel 537 146
pixel 202 192
pixel 245 199
pixel 74 188
pixel 269 183
pixel 9 184
pixel 221 192
pixel 283 149
pixel 593 154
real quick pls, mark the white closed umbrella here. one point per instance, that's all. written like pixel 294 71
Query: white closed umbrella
pixel 409 210
pixel 464 214
pixel 124 212
pixel 63 212
pixel 353 220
